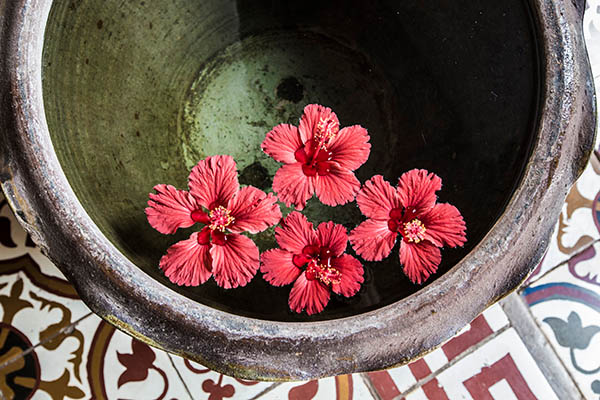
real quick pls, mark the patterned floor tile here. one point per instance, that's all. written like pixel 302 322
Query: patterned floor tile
pixel 566 305
pixel 502 369
pixel 343 387
pixel 579 223
pixel 31 315
pixel 37 308
pixel 113 366
pixel 15 243
pixel 392 383
pixel 206 384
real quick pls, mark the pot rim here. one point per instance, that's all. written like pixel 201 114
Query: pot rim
pixel 250 348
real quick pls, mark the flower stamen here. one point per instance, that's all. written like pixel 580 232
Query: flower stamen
pixel 325 273
pixel 414 231
pixel 327 129
pixel 220 218
pixel 329 275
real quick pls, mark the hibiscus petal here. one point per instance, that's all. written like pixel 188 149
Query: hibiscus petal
pixel 313 113
pixel 187 263
pixel 419 260
pixel 338 187
pixel 282 142
pixel 444 226
pixel 417 188
pixel 214 180
pixel 295 233
pixel 278 267
pixel 235 262
pixel 333 236
pixel 310 295
pixel 169 209
pixel 377 198
pixel 352 275
pixel 253 210
pixel 292 186
pixel 351 147
pixel 373 240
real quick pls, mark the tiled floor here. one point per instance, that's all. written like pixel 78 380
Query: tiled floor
pixel 542 342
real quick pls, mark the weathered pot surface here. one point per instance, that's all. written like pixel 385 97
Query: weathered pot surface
pixel 101 101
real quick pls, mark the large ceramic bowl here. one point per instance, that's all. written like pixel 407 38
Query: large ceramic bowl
pixel 100 101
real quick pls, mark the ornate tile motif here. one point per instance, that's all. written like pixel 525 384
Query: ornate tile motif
pixel 343 387
pixel 392 383
pixel 38 307
pixel 32 316
pixel 579 223
pixel 51 347
pixel 15 243
pixel 502 368
pixel 566 305
pixel 204 383
pixel 120 367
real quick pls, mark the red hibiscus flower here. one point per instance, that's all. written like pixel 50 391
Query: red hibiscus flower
pixel 411 211
pixel 314 261
pixel 215 200
pixel 319 158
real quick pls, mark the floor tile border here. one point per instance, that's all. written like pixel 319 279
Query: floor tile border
pixel 267 390
pixel 434 374
pixel 367 381
pixel 537 344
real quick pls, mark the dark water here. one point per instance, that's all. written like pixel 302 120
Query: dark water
pixel 448 86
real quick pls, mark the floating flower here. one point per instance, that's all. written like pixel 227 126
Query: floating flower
pixel 411 212
pixel 314 261
pixel 318 158
pixel 215 200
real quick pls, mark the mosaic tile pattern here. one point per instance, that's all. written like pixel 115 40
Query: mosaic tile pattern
pixel 486 360
pixel 501 369
pixel 579 223
pixel 206 384
pixel 566 306
pixel 38 308
pixel 344 387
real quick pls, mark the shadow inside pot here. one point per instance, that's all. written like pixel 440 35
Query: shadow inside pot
pixel 137 92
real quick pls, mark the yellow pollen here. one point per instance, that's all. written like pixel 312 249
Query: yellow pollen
pixel 414 231
pixel 326 130
pixel 220 218
pixel 329 275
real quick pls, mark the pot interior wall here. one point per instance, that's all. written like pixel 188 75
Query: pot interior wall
pixel 137 92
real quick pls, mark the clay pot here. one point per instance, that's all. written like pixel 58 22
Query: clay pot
pixel 100 101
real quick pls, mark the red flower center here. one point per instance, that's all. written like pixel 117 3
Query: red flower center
pixel 319 163
pixel 327 275
pixel 318 159
pixel 220 218
pixel 319 265
pixel 413 230
pixel 216 220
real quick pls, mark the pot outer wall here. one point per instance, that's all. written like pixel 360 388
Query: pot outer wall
pixel 111 286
